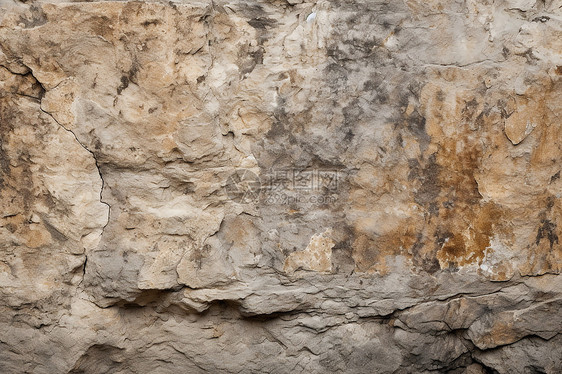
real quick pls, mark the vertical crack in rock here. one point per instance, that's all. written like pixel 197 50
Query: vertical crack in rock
pixel 81 145
pixel 95 161
pixel 87 150
pixel 83 270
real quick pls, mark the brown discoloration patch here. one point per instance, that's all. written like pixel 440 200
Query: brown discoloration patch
pixel 467 243
pixel 369 253
pixel 500 333
pixel 453 226
pixel 466 212
pixel 36 237
pixel 466 224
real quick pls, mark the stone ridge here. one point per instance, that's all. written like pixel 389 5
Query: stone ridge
pixel 281 186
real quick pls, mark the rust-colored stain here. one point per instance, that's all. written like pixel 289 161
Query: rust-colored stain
pixel 500 333
pixel 457 224
pixel 466 223
pixel 467 244
pixel 369 253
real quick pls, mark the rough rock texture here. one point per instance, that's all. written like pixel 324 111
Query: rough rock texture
pixel 281 186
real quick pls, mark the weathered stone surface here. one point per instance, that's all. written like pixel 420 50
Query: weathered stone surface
pixel 286 186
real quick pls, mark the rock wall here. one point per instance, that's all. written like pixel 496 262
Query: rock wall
pixel 281 186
